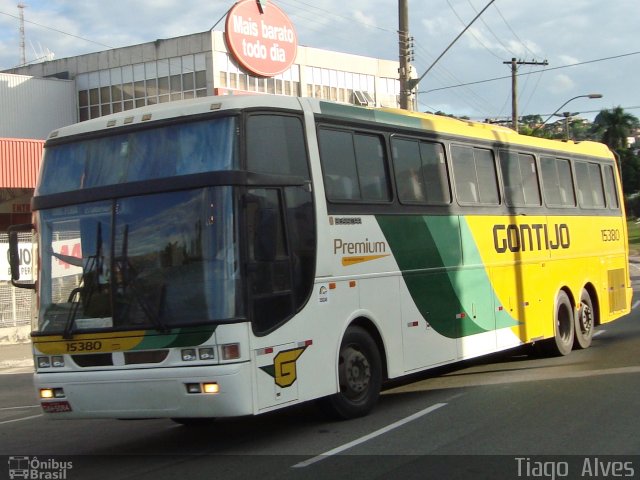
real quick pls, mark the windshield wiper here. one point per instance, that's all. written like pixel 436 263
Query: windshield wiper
pixel 128 276
pixel 94 264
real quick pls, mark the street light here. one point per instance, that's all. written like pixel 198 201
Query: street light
pixel 566 116
pixel 591 95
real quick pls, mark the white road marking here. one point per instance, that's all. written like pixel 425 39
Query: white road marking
pixel 366 438
pixel 635 304
pixel 20 419
pixel 20 408
pixel 599 332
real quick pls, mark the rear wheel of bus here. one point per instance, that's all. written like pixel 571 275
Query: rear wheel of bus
pixel 360 376
pixel 563 326
pixel 585 321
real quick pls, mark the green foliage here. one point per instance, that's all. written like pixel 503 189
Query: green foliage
pixel 614 127
pixel 630 172
pixel 633 231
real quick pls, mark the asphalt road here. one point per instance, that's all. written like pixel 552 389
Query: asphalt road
pixel 503 416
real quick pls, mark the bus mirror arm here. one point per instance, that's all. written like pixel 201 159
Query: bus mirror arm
pixel 14 254
pixel 307 186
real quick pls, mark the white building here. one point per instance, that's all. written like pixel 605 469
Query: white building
pixel 200 65
pixel 32 107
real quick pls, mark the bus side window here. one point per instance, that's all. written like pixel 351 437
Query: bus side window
pixel 475 175
pixel 557 182
pixel 610 187
pixel 339 164
pixel 354 166
pixel 275 145
pixel 590 187
pixel 407 166
pixel 520 178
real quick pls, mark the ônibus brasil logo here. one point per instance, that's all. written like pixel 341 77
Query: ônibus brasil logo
pixel 32 468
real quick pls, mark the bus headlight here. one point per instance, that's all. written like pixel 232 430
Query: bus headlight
pixel 188 354
pixel 57 361
pixel 48 393
pixel 43 362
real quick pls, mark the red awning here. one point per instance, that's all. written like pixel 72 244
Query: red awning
pixel 19 162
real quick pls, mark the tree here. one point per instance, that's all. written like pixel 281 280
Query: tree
pixel 614 127
pixel 630 172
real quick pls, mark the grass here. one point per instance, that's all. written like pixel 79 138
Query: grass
pixel 633 230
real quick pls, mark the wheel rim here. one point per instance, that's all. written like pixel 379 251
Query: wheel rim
pixel 585 317
pixel 355 374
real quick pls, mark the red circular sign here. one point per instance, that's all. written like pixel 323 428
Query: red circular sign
pixel 261 37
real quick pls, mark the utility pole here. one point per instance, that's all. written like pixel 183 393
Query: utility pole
pixel 514 87
pixel 404 52
pixel 407 84
pixel 23 55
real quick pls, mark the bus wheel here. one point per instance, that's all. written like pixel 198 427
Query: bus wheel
pixel 360 377
pixel 563 326
pixel 585 321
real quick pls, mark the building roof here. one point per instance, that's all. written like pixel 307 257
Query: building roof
pixel 19 162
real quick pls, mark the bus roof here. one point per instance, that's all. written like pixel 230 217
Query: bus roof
pixel 389 116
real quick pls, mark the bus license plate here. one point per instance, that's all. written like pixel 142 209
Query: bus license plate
pixel 56 407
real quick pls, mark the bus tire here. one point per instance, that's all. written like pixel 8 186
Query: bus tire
pixel 563 326
pixel 585 321
pixel 360 376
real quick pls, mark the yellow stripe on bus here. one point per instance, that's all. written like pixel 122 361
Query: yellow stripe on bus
pixel 89 343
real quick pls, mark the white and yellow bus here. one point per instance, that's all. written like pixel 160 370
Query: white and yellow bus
pixel 230 256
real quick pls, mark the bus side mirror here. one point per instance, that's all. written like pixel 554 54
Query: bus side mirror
pixel 14 255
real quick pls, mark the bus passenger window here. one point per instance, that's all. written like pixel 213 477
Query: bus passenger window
pixel 590 188
pixel 421 172
pixel 597 188
pixel 354 166
pixel 520 178
pixel 557 182
pixel 339 164
pixel 610 187
pixel 475 175
pixel 407 166
pixel 434 173
pixel 372 172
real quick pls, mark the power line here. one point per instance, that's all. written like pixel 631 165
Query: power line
pixel 491 31
pixel 58 31
pixel 512 31
pixel 471 31
pixel 614 57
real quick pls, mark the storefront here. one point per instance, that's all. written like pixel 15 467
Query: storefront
pixel 19 163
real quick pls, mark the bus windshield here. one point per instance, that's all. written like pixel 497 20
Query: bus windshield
pixel 155 261
pixel 161 152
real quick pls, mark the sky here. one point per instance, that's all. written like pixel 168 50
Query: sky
pixel 591 46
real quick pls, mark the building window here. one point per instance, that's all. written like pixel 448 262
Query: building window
pixel 346 87
pixel 123 88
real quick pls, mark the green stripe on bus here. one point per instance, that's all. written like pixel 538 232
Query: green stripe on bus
pixel 455 301
pixel 178 337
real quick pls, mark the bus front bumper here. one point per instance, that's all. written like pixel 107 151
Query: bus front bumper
pixel 148 393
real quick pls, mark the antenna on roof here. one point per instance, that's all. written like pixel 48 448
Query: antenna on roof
pixel 23 55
